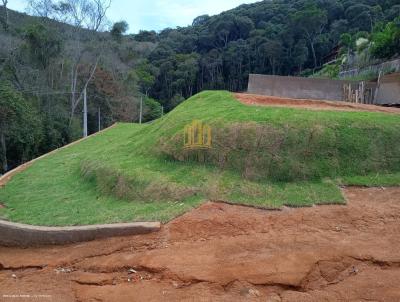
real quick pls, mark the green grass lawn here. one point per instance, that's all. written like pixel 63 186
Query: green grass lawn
pixel 124 175
pixel 372 180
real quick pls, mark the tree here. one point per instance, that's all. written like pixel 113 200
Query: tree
pixel 273 50
pixel 222 30
pixel 200 20
pixel 211 70
pixel 20 126
pixel 187 67
pixel 236 64
pixel 146 76
pixel 90 14
pixel 118 29
pixel 338 27
pixel 42 8
pixel 346 40
pixel 300 55
pixel 393 12
pixel 97 13
pixel 4 19
pixel 386 40
pixel 311 20
pixel 44 44
pixel 146 36
pixel 152 109
pixel 363 17
pixel 244 26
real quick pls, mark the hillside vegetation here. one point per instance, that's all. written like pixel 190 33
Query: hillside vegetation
pixel 261 156
pixel 47 60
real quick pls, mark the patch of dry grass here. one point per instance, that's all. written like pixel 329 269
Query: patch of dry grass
pixel 134 188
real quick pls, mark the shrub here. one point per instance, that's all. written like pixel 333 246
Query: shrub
pixel 135 188
pixel 386 42
pixel 261 151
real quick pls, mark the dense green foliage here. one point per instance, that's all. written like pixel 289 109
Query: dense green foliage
pixel 124 174
pixel 118 29
pixel 152 110
pixel 20 127
pixel 269 37
pixel 363 49
pixel 48 64
pixel 386 39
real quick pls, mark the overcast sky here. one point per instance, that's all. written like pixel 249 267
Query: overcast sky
pixel 157 14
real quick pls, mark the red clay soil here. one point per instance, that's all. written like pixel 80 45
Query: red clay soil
pixel 222 252
pixel 253 99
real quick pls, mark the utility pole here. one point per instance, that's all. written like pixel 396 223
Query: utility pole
pixel 141 110
pixel 99 120
pixel 162 111
pixel 85 132
pixel 378 84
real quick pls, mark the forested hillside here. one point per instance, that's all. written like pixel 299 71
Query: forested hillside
pixel 283 37
pixel 47 62
pixel 45 67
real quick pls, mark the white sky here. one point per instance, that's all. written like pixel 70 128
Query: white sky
pixel 157 14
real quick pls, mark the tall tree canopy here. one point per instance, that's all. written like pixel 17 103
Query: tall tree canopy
pixel 282 37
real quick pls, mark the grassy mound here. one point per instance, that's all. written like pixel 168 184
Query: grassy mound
pixel 260 156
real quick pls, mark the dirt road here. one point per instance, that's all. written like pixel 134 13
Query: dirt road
pixel 221 252
pixel 272 101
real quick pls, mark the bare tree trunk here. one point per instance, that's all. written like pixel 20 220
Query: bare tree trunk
pixel 74 74
pixel 311 40
pixel 61 72
pixel 313 53
pixel 74 101
pixel 4 164
pixel 5 21
pixel 100 13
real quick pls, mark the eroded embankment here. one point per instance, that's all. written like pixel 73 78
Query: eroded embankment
pixel 221 252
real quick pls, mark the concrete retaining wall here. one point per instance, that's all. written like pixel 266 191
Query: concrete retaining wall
pixel 389 90
pixel 22 235
pixel 296 87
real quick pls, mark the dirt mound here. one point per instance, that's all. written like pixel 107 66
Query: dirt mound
pixel 221 252
pixel 252 99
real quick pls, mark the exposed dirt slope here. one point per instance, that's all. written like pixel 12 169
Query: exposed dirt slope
pixel 221 252
pixel 253 99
